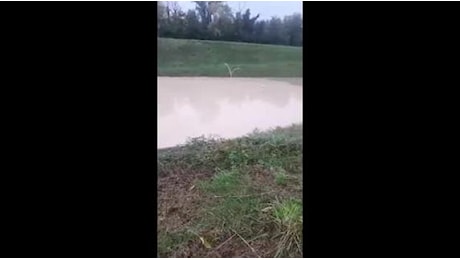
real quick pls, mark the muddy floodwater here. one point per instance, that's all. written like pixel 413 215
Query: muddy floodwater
pixel 226 107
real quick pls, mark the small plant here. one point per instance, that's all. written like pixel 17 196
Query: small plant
pixel 288 217
pixel 281 178
pixel 225 182
pixel 231 70
pixel 238 158
pixel 170 242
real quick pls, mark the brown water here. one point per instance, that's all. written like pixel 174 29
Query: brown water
pixel 227 107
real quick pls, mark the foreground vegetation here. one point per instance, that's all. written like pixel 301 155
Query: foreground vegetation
pixel 232 198
pixel 178 57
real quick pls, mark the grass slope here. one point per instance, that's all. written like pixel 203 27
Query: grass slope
pixel 179 57
pixel 232 198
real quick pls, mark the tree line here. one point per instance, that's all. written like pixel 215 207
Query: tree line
pixel 215 20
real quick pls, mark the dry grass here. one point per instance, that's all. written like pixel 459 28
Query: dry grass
pixel 246 192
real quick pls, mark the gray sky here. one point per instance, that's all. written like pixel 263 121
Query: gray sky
pixel 266 9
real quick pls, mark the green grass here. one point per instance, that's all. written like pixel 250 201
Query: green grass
pixel 253 195
pixel 180 57
pixel 225 183
pixel 281 178
pixel 172 241
pixel 288 217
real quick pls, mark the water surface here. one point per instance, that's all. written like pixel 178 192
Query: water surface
pixel 227 107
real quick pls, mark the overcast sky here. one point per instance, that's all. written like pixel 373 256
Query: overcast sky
pixel 265 9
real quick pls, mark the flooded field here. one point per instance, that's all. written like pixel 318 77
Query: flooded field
pixel 227 107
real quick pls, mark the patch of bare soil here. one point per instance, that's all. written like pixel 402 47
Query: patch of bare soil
pixel 179 204
pixel 264 181
pixel 178 199
pixel 228 246
pixel 234 246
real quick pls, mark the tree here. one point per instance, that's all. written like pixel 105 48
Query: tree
pixel 193 26
pixel 172 9
pixel 173 21
pixel 293 28
pixel 161 15
pixel 244 26
pixel 276 32
pixel 221 21
pixel 202 7
pixel 260 32
pixel 248 25
pixel 214 20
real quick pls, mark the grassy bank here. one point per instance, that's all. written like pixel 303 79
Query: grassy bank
pixel 179 57
pixel 232 198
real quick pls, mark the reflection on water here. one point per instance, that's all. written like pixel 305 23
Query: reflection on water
pixel 228 107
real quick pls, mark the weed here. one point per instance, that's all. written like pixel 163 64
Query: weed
pixel 225 182
pixel 171 241
pixel 238 213
pixel 288 218
pixel 238 158
pixel 230 70
pixel 281 178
